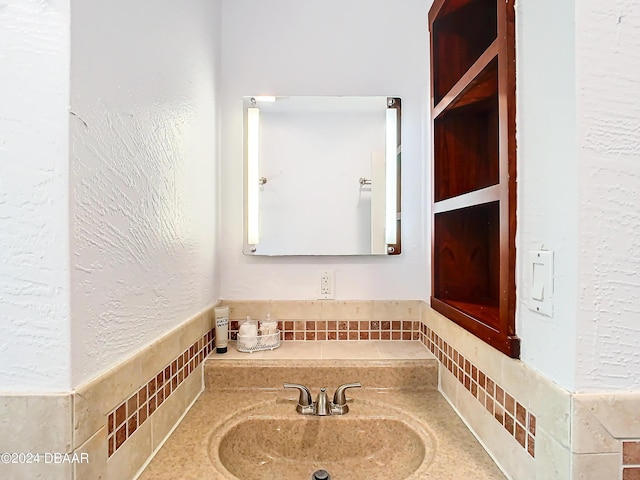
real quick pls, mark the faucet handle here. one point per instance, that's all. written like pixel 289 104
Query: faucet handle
pixel 339 404
pixel 305 402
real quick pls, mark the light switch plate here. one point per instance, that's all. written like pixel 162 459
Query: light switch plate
pixel 541 282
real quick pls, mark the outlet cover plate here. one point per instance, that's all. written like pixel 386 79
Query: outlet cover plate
pixel 326 288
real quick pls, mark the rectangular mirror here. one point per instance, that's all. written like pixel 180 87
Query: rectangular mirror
pixel 322 175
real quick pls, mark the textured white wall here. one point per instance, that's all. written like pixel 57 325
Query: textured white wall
pixel 547 181
pixel 608 139
pixel 34 231
pixel 144 199
pixel 579 188
pixel 335 47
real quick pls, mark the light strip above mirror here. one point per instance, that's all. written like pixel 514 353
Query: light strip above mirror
pixel 391 163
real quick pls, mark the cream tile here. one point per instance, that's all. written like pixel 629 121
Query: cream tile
pixel 166 417
pixel 193 386
pixel 521 381
pixel 401 349
pixel 553 460
pixel 164 350
pixel 353 350
pixel 37 471
pixel 504 448
pixel 94 400
pixel 155 357
pixel 425 308
pixel 486 358
pixel 552 407
pixel 194 329
pixel 239 310
pixel 444 327
pixel 448 385
pixel 347 310
pixel 588 434
pixel 36 423
pixel 96 449
pixel 595 467
pixel 396 310
pixel 617 412
pixel 132 455
pixel 296 350
pixel 296 310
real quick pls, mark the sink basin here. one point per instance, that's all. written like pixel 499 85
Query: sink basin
pixel 349 448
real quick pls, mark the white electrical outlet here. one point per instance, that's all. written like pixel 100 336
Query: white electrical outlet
pixel 327 280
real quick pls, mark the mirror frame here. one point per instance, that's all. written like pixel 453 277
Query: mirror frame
pixel 393 245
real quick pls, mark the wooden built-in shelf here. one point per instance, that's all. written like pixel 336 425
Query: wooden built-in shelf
pixel 467 255
pixel 473 170
pixel 479 83
pixel 466 153
pixel 459 37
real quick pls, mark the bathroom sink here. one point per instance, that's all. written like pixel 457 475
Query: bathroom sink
pixel 349 448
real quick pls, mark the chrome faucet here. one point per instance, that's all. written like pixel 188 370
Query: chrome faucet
pixel 322 407
pixel 305 403
pixel 339 405
pixel 322 404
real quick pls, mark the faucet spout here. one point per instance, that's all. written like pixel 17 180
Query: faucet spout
pixel 322 404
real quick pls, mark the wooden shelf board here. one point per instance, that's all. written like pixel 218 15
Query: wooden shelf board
pixel 477 319
pixel 487 314
pixel 477 84
pixel 482 316
pixel 477 197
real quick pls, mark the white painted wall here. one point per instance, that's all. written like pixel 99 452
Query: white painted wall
pixel 547 181
pixel 335 47
pixel 579 188
pixel 144 140
pixel 608 149
pixel 34 232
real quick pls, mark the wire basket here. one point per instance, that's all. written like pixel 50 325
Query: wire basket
pixel 249 344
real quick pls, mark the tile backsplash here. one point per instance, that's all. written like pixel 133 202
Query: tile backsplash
pixel 507 411
pixel 341 330
pixel 126 418
pixel 532 427
pixel 333 319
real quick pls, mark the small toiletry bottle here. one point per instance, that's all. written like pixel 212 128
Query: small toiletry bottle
pixel 221 328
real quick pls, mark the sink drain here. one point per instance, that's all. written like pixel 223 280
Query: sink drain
pixel 320 475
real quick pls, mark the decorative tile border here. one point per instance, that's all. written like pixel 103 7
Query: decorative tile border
pixel 126 418
pixel 631 460
pixel 513 416
pixel 342 330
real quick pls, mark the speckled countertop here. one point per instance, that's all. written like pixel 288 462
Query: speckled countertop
pixel 190 453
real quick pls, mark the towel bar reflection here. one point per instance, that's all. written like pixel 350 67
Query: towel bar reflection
pixel 364 181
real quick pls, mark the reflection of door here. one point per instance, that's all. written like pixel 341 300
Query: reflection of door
pixel 378 183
